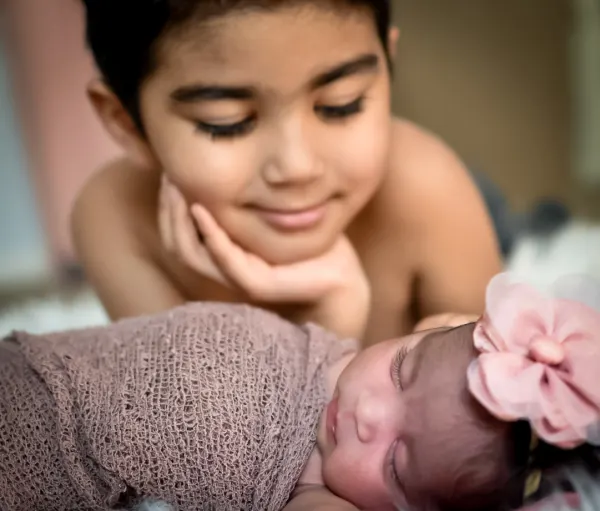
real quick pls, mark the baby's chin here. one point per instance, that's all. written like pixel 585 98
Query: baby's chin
pixel 357 492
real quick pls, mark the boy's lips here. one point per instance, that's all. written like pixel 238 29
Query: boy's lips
pixel 332 412
pixel 293 219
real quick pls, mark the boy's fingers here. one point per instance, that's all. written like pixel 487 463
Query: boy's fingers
pixel 189 248
pixel 217 242
pixel 179 233
pixel 164 218
pixel 228 256
pixel 304 281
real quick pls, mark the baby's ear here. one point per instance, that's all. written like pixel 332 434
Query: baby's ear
pixel 118 123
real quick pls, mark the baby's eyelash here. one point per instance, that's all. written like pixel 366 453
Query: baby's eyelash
pixel 395 485
pixel 394 474
pixel 399 358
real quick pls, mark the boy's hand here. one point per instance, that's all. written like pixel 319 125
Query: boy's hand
pixel 449 320
pixel 332 285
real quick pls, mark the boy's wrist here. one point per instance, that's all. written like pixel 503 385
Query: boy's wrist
pixel 345 310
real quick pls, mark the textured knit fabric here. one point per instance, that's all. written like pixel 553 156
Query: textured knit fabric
pixel 208 406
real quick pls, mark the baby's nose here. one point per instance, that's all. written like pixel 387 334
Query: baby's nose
pixel 377 417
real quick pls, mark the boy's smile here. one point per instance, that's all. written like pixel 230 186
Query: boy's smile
pixel 290 219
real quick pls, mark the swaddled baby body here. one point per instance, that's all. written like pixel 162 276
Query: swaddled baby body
pixel 206 407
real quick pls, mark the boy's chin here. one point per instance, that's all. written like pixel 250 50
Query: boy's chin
pixel 284 249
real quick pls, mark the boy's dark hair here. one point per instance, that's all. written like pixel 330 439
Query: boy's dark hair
pixel 124 34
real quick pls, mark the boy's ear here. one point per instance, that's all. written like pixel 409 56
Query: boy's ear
pixel 119 124
pixel 393 37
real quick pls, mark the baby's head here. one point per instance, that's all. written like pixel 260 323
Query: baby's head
pixel 407 429
pixel 468 418
pixel 252 108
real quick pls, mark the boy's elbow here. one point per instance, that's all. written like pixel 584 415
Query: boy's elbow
pixel 78 218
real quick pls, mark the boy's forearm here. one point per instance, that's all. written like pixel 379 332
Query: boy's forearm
pixel 317 498
pixel 344 313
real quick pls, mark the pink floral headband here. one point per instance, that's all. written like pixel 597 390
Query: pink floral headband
pixel 539 358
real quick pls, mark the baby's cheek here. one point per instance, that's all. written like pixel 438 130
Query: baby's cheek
pixel 357 481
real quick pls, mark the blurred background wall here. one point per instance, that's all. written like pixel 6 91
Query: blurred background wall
pixel 494 79
pixel 23 257
pixel 48 65
pixel 491 78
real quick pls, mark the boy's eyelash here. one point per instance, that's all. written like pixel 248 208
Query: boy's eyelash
pixel 399 358
pixel 216 131
pixel 342 111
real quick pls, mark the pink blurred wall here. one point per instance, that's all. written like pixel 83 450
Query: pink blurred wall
pixel 65 142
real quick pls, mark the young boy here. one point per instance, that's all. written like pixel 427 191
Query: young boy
pixel 262 165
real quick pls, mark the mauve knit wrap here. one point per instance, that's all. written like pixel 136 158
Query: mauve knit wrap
pixel 208 406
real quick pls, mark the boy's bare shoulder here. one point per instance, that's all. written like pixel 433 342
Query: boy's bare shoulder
pixel 426 181
pixel 447 232
pixel 425 171
pixel 119 202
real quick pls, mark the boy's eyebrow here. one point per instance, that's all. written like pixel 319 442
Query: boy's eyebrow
pixel 363 64
pixel 194 93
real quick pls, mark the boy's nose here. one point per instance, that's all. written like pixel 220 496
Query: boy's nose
pixel 377 417
pixel 294 160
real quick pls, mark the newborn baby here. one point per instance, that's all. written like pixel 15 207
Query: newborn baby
pixel 485 416
pixel 229 407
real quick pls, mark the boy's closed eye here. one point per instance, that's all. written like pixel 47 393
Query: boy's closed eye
pixel 226 96
pixel 245 126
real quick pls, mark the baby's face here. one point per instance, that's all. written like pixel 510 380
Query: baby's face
pixel 360 428
pixel 398 413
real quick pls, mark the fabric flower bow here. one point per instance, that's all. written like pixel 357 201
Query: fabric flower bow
pixel 540 358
